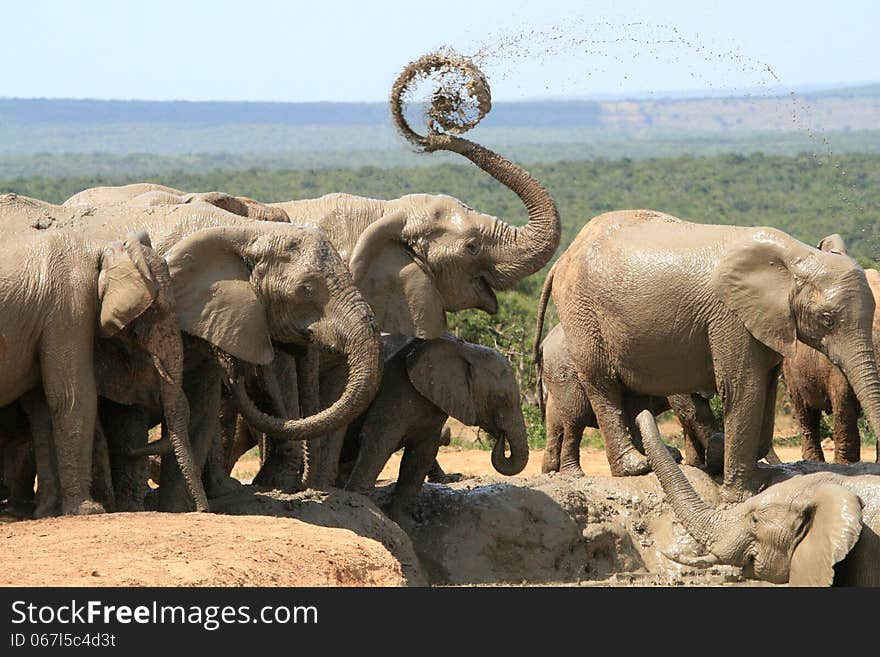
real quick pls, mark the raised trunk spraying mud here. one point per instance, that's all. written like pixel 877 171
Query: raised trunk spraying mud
pixel 520 251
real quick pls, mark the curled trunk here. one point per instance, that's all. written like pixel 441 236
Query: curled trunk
pixel 519 454
pixel 351 324
pixel 521 251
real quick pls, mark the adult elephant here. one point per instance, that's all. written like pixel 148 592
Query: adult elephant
pixel 567 411
pixel 815 529
pixel 241 289
pixel 815 385
pixel 61 291
pixel 660 306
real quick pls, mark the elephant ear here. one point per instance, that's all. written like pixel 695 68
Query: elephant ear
pixel 214 298
pixel 126 288
pixel 440 371
pixel 835 522
pixel 399 289
pixel 753 280
pixel 833 244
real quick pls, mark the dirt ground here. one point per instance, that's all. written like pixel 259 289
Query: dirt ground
pixel 164 549
pixel 482 529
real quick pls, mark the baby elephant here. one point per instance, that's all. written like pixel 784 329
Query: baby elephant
pixel 815 529
pixel 567 412
pixel 425 383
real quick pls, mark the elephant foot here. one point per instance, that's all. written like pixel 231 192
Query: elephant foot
pixel 572 471
pixel 715 454
pixel 83 508
pixel 447 478
pixel 222 486
pixel 280 479
pixel 629 464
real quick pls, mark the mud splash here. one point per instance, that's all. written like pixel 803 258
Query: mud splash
pixel 461 95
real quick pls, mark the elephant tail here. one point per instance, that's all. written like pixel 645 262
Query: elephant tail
pixel 537 351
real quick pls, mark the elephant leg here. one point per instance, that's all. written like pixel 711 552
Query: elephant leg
pixel 570 454
pixel 234 434
pixel 555 432
pixel 102 481
pixel 847 442
pixel 20 470
pixel 380 436
pixel 418 454
pixel 765 446
pixel 742 377
pixel 40 421
pixel 69 386
pixel 282 466
pixel 126 428
pixel 608 405
pixel 809 421
pixel 436 474
pixel 698 424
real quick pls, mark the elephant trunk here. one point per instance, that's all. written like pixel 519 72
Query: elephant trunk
pixel 519 452
pixel 359 341
pixel 860 368
pixel 698 518
pixel 521 250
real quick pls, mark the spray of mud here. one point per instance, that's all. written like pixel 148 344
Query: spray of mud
pixel 459 95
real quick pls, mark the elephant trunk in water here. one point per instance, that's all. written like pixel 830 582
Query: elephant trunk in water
pixel 345 327
pixel 519 453
pixel 520 251
pixel 699 519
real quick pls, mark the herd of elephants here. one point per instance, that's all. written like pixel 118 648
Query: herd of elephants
pixel 318 329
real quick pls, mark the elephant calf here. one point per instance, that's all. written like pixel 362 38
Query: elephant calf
pixel 425 383
pixel 567 412
pixel 815 529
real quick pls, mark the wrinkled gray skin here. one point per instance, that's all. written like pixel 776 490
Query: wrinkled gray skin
pixel 816 385
pixel 567 412
pixel 424 384
pixel 659 306
pixel 60 292
pixel 240 287
pixel 811 530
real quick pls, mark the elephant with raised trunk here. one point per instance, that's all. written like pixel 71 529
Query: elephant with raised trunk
pixel 62 293
pixel 815 529
pixel 243 288
pixel 424 383
pixel 659 306
pixel 815 385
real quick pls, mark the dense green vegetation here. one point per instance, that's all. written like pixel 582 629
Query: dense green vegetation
pixel 806 196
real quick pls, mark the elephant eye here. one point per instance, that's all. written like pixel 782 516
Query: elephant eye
pixel 827 320
pixel 473 246
pixel 306 290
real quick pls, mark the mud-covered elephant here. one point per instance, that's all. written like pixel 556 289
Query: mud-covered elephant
pixel 567 412
pixel 60 293
pixel 660 306
pixel 425 382
pixel 242 289
pixel 815 529
pixel 816 385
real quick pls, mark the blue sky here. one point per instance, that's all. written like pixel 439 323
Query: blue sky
pixel 349 50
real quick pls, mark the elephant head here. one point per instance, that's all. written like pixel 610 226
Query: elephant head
pixel 794 531
pixel 431 254
pixel 242 288
pixel 783 290
pixel 476 386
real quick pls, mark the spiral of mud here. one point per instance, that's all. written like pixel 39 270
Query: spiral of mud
pixel 459 101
